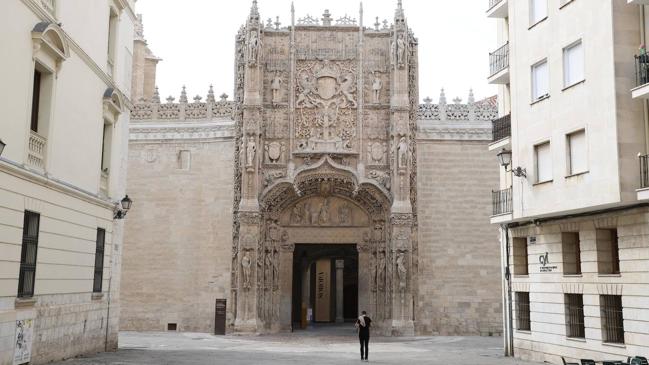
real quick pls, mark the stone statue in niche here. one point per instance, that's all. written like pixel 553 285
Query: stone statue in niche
pixel 398 52
pixel 377 85
pixel 269 268
pixel 253 47
pixel 245 269
pixel 402 153
pixel 308 216
pixel 402 271
pixel 276 87
pixel 251 150
pixel 276 269
pixel 373 273
pixel 381 270
pixel 297 214
pixel 345 215
pixel 323 217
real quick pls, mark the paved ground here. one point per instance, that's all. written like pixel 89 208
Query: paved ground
pixel 305 347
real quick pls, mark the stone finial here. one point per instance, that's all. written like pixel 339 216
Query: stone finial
pixel 224 97
pixel 377 24
pixel 326 18
pixel 183 95
pixel 457 100
pixel 170 99
pixel 385 24
pixel 197 99
pixel 442 97
pixel 428 100
pixel 210 95
pixel 156 96
pixel 269 23
pixel 277 23
pixel 471 98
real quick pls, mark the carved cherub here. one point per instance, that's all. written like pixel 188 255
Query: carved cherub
pixel 347 88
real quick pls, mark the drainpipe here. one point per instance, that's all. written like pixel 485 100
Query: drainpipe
pixel 509 347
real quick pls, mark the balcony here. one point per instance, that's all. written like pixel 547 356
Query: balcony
pixel 36 152
pixel 643 192
pixel 103 182
pixel 499 65
pixel 641 77
pixel 501 128
pixel 502 202
pixel 498 9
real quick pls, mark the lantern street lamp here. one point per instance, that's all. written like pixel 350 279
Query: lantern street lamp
pixel 505 159
pixel 2 146
pixel 123 207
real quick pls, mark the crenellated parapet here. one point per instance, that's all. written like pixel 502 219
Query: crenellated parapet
pixel 184 110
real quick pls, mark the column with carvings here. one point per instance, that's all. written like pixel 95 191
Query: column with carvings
pixel 286 250
pixel 340 283
pixel 401 219
pixel 251 251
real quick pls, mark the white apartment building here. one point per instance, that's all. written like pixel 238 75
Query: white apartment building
pixel 573 202
pixel 65 87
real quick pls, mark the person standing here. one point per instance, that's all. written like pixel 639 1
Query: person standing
pixel 363 325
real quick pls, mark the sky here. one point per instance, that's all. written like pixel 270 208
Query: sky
pixel 196 40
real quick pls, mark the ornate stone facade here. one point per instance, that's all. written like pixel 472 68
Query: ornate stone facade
pixel 324 130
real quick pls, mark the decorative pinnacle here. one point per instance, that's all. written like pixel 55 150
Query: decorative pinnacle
pixel 183 95
pixel 224 97
pixel 377 24
pixel 442 97
pixel 471 99
pixel 428 100
pixel 210 95
pixel 156 96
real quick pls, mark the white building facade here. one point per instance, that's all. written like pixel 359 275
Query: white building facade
pixel 66 76
pixel 572 204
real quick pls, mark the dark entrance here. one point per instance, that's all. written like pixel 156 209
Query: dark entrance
pixel 219 317
pixel 305 259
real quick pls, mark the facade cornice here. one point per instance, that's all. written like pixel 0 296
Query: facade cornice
pixel 454 130
pixel 21 172
pixel 214 130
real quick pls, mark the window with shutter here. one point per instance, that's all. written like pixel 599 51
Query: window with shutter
pixel 573 64
pixel 538 11
pixel 540 83
pixel 543 162
pixel 577 153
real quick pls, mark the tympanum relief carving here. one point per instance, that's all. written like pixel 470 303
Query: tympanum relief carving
pixel 325 212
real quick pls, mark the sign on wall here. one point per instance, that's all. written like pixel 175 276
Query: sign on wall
pixel 544 260
pixel 23 341
pixel 323 290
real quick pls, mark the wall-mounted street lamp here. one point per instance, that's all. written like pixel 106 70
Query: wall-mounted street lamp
pixel 122 208
pixel 505 159
pixel 2 146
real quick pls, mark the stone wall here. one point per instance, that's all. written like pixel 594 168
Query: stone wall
pixel 459 276
pixel 178 241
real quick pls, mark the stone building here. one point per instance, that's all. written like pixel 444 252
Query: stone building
pixel 323 189
pixel 573 206
pixel 65 100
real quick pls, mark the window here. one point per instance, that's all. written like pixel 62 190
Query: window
pixel 612 318
pixel 575 315
pixel 112 39
pixel 577 152
pixel 573 64
pixel 99 260
pixel 27 276
pixel 523 322
pixel 41 100
pixel 540 88
pixel 571 253
pixel 520 256
pixel 608 259
pixel 105 147
pixel 538 11
pixel 543 158
pixel 36 97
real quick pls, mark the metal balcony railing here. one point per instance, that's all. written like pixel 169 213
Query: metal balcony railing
pixel 493 3
pixel 499 59
pixel 644 171
pixel 502 201
pixel 501 128
pixel 36 153
pixel 641 69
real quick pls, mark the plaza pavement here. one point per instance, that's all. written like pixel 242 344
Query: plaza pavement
pixel 303 347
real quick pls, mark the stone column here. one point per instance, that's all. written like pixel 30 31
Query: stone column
pixel 340 265
pixel 364 292
pixel 285 288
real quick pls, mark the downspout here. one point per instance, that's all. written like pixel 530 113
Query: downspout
pixel 509 350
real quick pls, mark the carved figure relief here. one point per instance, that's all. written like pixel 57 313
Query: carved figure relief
pixel 381 177
pixel 276 87
pixel 323 217
pixel 398 51
pixel 297 214
pixel 377 85
pixel 271 176
pixel 402 153
pixel 253 47
pixel 381 270
pixel 269 268
pixel 344 215
pixel 245 269
pixel 402 270
pixel 251 150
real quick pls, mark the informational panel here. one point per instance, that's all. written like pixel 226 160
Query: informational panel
pixel 23 343
pixel 323 290
pixel 219 317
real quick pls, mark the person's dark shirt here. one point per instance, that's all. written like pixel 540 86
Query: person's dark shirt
pixel 364 331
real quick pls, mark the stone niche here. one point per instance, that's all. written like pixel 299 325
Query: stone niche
pixel 324 212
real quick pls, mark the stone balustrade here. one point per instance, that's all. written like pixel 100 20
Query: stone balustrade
pixel 36 153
